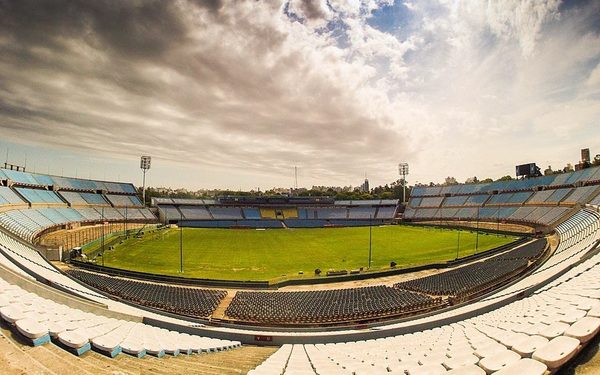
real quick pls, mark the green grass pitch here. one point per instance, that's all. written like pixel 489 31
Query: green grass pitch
pixel 276 254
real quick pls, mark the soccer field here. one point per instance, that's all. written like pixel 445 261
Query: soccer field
pixel 276 254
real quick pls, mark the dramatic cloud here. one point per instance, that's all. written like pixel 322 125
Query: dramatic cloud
pixel 338 88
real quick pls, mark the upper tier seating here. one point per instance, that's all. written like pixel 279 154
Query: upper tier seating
pixel 251 213
pixel 386 212
pixel 8 197
pixel 171 212
pixel 124 200
pixel 226 213
pixel 589 175
pixel 332 213
pixel 541 207
pixel 40 196
pixel 529 214
pixel 361 212
pixel 35 179
pixel 268 213
pixel 289 213
pixel 83 199
pixel 581 195
pixel 136 214
pixel 195 212
pixel 431 202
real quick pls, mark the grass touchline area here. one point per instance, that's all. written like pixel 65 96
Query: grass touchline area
pixel 276 254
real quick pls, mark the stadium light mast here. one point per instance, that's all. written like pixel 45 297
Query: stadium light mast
pixel 403 171
pixel 145 162
pixel 370 239
pixel 180 242
pixel 103 222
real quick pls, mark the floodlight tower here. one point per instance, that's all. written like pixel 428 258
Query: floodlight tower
pixel 403 171
pixel 145 162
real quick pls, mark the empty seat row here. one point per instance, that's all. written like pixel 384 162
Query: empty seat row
pixel 195 302
pixel 326 305
pixel 38 321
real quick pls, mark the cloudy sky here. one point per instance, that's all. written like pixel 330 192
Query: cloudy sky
pixel 236 93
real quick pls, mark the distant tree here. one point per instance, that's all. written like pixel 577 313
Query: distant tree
pixel 568 168
pixel 450 181
pixel 472 180
pixel 487 180
pixel 387 195
pixel 505 178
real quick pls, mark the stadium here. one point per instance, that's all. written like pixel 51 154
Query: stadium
pixel 524 297
pixel 189 265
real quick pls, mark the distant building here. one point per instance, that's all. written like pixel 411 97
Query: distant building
pixel 585 160
pixel 585 155
pixel 365 186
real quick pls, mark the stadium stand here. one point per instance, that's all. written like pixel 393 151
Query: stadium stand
pixel 250 223
pixel 326 306
pixel 226 213
pixel 478 276
pixel 289 213
pixel 170 213
pixel 386 212
pixel 542 207
pixel 8 197
pixel 306 213
pixel 331 213
pixel 581 195
pixel 268 213
pixel 28 223
pixel 585 176
pixel 65 183
pixel 192 302
pixel 431 202
pixel 361 212
pixel 35 196
pixel 251 213
pixel 194 213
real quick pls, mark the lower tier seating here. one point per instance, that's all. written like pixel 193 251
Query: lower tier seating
pixel 475 277
pixel 326 305
pixel 193 302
